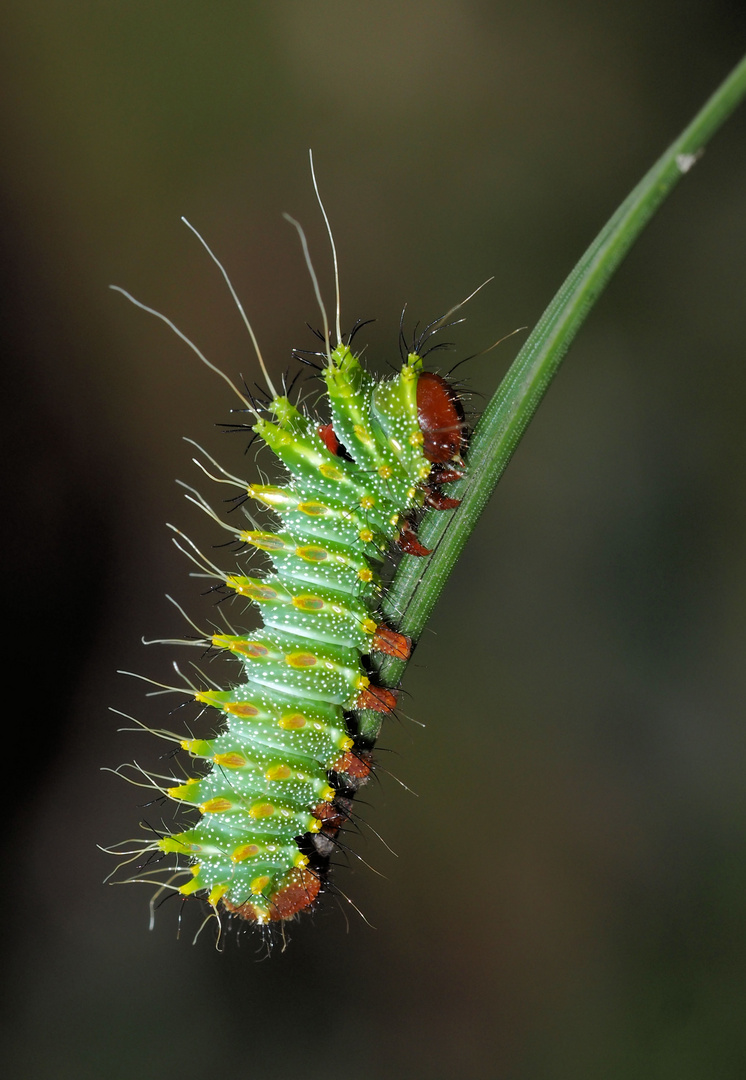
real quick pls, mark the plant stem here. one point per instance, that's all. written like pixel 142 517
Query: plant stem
pixel 418 581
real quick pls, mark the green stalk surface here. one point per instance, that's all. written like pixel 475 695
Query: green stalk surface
pixel 418 581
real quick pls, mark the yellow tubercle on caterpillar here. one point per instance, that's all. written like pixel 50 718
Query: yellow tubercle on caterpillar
pixel 217 700
pixel 194 885
pixel 216 806
pixel 216 894
pixel 363 436
pixel 261 810
pixel 244 709
pixel 236 644
pixel 284 500
pixel 331 472
pixel 191 887
pixel 313 509
pixel 301 660
pixel 184 792
pixel 214 698
pixel 254 650
pixel 276 497
pixel 312 553
pixel 196 747
pixel 292 722
pixel 251 588
pixel 175 844
pixel 263 541
pixel 245 851
pixel 367 502
pixel 309 603
pixel 259 884
pixel 282 772
pixel 230 761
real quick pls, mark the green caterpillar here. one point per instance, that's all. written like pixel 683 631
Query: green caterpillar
pixel 274 788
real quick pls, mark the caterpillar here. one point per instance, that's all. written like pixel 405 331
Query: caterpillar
pixel 272 791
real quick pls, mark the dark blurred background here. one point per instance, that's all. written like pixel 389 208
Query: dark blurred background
pixel 570 894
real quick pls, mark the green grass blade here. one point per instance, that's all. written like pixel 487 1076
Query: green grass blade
pixel 418 582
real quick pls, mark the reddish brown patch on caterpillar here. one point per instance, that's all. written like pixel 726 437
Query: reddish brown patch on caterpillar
pixel 408 542
pixel 391 642
pixel 446 474
pixel 441 418
pixel 333 816
pixel 355 765
pixel 438 501
pixel 300 890
pixel 329 439
pixel 377 698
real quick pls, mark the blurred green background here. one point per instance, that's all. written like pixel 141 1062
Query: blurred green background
pixel 569 898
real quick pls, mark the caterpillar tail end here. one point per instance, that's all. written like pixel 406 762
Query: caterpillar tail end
pixel 299 891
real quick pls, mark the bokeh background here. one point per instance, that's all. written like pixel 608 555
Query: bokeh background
pixel 569 897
